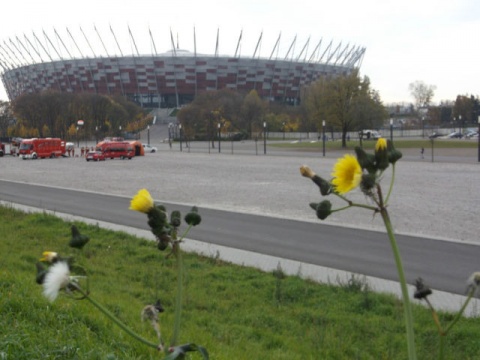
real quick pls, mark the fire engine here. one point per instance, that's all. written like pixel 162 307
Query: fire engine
pixel 41 148
pixel 116 149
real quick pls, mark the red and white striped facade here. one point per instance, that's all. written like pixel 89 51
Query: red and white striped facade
pixel 173 78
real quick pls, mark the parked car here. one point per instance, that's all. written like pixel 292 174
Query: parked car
pixel 149 148
pixel 471 134
pixel 455 135
pixel 369 134
pixel 95 156
pixel 435 135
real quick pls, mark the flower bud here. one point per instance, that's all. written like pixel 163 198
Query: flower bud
pixel 381 154
pixel 393 154
pixel 367 183
pixel 175 218
pixel 366 161
pixel 156 220
pixel 322 209
pixel 422 291
pixel 193 218
pixel 324 186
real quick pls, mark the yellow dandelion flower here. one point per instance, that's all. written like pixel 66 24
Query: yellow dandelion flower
pixel 142 202
pixel 381 144
pixel 347 174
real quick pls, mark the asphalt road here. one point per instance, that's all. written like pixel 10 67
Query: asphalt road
pixel 445 264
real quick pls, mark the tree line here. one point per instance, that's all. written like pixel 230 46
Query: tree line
pixel 341 104
pixel 345 103
pixel 56 114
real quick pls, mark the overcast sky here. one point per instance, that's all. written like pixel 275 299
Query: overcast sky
pixel 434 41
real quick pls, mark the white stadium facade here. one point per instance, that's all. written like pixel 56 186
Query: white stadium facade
pixel 170 79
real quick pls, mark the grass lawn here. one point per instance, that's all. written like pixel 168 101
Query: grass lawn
pixel 400 144
pixel 233 311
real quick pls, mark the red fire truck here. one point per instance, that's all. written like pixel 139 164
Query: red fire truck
pixel 116 149
pixel 41 148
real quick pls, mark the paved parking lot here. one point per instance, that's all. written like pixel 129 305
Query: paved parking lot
pixel 439 199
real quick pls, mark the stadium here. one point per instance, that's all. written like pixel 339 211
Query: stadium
pixel 169 79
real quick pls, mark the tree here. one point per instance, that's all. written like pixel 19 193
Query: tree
pixel 57 111
pixel 422 93
pixel 253 110
pixel 202 116
pixel 345 102
pixel 466 110
pixel 5 118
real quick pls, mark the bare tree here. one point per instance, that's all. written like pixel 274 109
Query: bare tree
pixel 422 93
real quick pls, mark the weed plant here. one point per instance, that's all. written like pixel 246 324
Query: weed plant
pixel 236 312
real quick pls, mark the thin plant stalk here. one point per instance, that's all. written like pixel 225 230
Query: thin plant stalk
pixel 403 284
pixel 117 321
pixel 179 297
pixel 443 335
pixel 178 300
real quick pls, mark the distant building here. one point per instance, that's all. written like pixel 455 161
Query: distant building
pixel 173 78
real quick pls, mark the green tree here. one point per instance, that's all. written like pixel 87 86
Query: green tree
pixel 5 118
pixel 253 111
pixel 465 110
pixel 345 102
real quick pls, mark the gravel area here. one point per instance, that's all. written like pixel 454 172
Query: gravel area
pixel 431 199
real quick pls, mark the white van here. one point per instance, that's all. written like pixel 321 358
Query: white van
pixel 369 134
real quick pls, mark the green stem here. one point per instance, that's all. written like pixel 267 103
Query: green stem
pixel 117 321
pixel 391 184
pixel 403 284
pixel 460 313
pixel 178 301
pixel 441 350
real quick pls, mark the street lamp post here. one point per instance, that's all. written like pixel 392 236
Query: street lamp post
pixel 180 132
pixel 460 124
pixel 391 130
pixel 283 129
pixel 170 135
pixel 120 131
pixel 423 127
pixel 219 136
pixel 148 134
pixel 265 137
pixel 323 137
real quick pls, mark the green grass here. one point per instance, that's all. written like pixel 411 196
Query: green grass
pixel 370 144
pixel 233 311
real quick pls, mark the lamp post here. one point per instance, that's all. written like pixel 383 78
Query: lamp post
pixel 265 137
pixel 219 126
pixel 80 124
pixel 170 130
pixel 120 131
pixel 460 124
pixel 423 127
pixel 391 130
pixel 323 137
pixel 283 129
pixel 180 132
pixel 96 135
pixel 148 134
pixel 478 134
